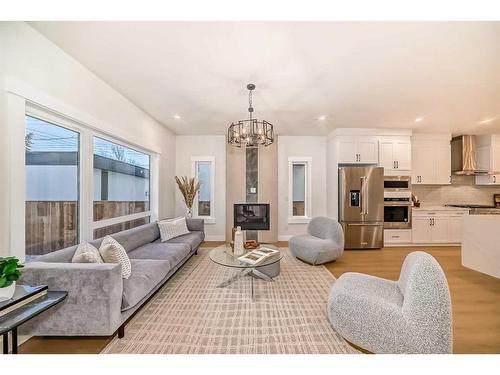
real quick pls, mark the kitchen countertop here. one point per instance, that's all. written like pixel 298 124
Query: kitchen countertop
pixel 472 211
pixel 484 211
pixel 438 208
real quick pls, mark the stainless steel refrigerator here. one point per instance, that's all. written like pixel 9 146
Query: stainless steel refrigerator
pixel 361 206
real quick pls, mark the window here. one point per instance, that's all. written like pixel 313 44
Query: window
pixel 121 187
pixel 52 166
pixel 299 189
pixel 79 184
pixel 203 170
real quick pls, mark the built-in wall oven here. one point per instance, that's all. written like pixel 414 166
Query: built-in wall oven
pixel 397 202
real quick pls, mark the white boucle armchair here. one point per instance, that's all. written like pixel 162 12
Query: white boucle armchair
pixel 411 315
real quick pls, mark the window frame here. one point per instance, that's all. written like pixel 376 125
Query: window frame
pixel 210 159
pixel 86 224
pixel 307 162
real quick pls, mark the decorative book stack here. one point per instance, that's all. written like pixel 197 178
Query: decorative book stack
pixel 23 295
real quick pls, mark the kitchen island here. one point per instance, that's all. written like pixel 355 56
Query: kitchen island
pixel 481 244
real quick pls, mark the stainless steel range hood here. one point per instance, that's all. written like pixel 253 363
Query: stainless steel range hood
pixel 463 157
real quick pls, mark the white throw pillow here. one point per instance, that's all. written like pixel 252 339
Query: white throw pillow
pixel 172 228
pixel 86 253
pixel 112 252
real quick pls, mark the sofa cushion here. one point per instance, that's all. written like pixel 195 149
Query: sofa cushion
pixel 146 274
pixel 86 253
pixel 113 252
pixel 193 239
pixel 133 238
pixel 172 228
pixel 173 252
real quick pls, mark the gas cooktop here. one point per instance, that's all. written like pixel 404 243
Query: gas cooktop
pixel 470 205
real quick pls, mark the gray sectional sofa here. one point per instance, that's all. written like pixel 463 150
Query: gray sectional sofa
pixel 99 301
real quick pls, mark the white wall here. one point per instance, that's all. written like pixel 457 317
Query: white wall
pixel 36 70
pixel 301 146
pixel 188 146
pixel 332 175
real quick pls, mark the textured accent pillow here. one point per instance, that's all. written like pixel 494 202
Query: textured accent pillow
pixel 112 252
pixel 172 228
pixel 86 253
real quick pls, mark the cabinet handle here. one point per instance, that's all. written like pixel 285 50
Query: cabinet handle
pixel 494 179
pixel 397 164
pixel 394 164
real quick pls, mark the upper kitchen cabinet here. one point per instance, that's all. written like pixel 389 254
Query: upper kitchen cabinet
pixel 488 158
pixel 395 154
pixel 431 159
pixel 358 150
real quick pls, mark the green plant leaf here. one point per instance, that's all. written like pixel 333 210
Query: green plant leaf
pixel 3 282
pixel 9 268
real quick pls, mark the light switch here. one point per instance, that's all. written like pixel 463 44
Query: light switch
pixel 253 190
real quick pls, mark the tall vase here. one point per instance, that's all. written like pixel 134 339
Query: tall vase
pixel 189 213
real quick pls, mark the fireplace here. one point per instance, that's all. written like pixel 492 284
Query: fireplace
pixel 251 216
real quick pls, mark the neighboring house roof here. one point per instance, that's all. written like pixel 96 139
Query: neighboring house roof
pixel 71 158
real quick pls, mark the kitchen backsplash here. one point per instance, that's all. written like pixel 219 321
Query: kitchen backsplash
pixel 462 190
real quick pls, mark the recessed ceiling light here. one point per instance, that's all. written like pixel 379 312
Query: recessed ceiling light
pixel 486 121
pixel 321 118
pixel 177 117
pixel 418 119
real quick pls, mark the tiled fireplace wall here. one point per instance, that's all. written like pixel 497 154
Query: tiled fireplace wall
pixel 462 190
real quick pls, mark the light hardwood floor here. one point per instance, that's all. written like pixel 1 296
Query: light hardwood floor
pixel 475 300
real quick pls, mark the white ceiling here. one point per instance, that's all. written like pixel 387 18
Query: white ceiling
pixel 370 74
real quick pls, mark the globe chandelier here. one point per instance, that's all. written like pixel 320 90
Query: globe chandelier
pixel 250 133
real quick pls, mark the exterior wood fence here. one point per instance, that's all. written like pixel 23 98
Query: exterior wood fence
pixel 53 225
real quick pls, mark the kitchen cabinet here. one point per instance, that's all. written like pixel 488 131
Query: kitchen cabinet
pixel 397 236
pixel 421 230
pixel 488 158
pixel 358 150
pixel 431 161
pixel 437 227
pixel 395 153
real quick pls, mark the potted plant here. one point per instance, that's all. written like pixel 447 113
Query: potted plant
pixel 9 273
pixel 188 187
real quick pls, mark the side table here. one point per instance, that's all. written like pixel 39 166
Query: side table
pixel 12 320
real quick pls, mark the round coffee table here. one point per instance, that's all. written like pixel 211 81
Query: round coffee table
pixel 266 270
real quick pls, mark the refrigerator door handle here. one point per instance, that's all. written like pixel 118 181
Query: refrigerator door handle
pixel 362 196
pixel 365 200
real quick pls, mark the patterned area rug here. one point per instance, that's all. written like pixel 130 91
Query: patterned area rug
pixel 189 315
